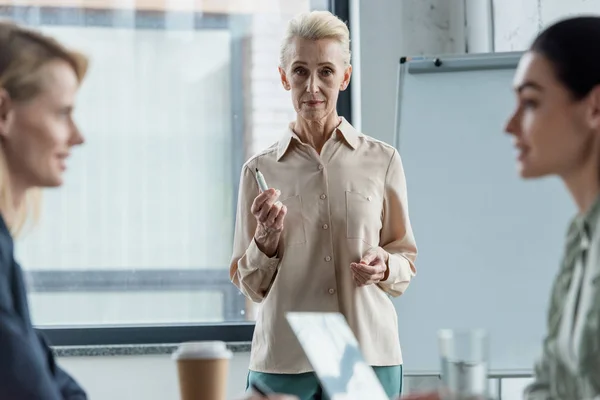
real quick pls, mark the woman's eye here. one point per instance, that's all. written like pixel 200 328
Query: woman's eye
pixel 529 104
pixel 327 72
pixel 299 71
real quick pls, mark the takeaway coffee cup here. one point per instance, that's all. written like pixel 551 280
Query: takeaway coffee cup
pixel 202 370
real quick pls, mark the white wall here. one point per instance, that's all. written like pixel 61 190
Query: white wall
pixel 142 377
pixel 517 22
pixel 391 29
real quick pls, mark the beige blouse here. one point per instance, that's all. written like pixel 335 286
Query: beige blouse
pixel 340 204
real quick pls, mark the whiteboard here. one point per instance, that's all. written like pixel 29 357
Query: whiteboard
pixel 489 243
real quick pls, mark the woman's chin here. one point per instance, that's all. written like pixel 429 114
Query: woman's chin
pixel 314 113
pixel 529 172
pixel 52 180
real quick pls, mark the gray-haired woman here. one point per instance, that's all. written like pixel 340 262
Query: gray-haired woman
pixel 332 233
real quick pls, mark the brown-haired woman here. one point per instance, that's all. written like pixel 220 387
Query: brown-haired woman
pixel 555 128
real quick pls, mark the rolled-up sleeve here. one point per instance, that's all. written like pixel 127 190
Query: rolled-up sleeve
pixel 397 237
pixel 250 269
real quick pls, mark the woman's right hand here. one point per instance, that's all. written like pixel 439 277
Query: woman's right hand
pixel 269 214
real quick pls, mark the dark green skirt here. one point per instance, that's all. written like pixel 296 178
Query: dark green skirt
pixel 306 386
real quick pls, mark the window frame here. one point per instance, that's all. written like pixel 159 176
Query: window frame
pixel 341 8
pixel 238 329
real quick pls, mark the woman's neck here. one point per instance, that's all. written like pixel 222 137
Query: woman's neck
pixel 316 133
pixel 17 197
pixel 584 185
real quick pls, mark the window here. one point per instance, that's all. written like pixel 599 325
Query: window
pixel 179 94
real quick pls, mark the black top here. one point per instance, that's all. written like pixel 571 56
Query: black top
pixel 27 367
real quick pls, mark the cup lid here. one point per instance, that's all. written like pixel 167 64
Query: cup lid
pixel 202 350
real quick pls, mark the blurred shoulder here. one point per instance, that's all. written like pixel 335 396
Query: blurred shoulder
pixel 268 154
pixel 378 146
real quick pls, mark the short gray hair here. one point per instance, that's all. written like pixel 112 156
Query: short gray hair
pixel 316 25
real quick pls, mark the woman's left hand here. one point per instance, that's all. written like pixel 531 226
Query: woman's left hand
pixel 372 268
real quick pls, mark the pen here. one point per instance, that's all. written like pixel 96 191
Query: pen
pixel 261 181
pixel 261 389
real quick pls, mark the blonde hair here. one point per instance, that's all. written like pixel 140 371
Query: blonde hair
pixel 316 25
pixel 23 53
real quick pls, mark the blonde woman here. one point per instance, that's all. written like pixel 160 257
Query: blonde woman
pixel 39 80
pixel 331 232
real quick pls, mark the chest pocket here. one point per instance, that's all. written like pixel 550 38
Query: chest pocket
pixel 293 224
pixel 363 217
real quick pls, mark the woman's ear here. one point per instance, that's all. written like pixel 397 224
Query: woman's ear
pixel 284 79
pixel 593 113
pixel 6 113
pixel 347 75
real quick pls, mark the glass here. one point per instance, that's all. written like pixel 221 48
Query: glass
pixel 179 94
pixel 464 364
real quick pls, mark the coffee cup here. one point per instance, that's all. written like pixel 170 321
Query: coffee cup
pixel 202 370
